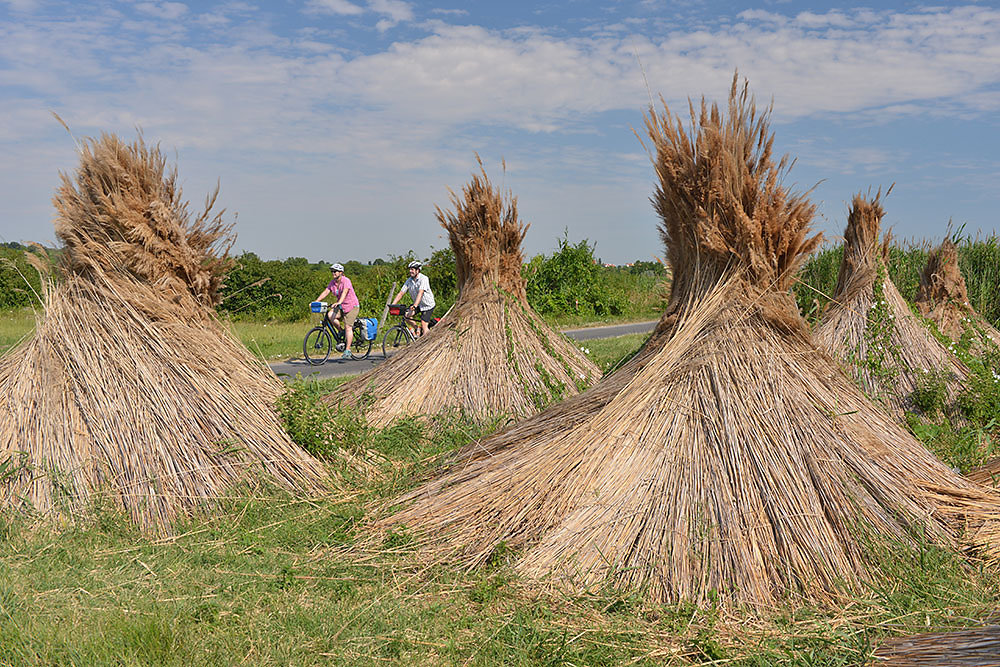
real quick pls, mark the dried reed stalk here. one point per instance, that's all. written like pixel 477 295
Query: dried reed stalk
pixel 491 354
pixel 972 647
pixel 943 298
pixel 870 328
pixel 730 455
pixel 124 211
pixel 129 388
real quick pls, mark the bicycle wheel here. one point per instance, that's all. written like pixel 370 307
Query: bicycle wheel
pixel 360 347
pixel 316 346
pixel 396 339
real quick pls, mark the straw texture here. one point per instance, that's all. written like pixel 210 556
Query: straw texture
pixel 125 213
pixel 729 456
pixel 491 354
pixel 130 390
pixel 972 647
pixel 870 328
pixel 943 298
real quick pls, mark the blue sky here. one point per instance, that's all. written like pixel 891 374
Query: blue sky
pixel 335 126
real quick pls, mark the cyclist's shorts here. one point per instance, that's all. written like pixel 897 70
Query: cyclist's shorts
pixel 350 316
pixel 427 315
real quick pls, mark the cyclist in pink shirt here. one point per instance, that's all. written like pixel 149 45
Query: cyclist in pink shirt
pixel 346 306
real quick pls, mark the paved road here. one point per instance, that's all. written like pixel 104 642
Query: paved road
pixel 336 367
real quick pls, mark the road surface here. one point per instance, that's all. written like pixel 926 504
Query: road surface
pixel 336 366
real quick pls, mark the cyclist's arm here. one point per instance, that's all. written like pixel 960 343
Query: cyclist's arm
pixel 399 295
pixel 323 295
pixel 418 299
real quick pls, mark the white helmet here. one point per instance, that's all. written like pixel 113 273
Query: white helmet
pixel 337 267
pixel 414 265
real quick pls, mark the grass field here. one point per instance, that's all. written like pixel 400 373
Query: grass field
pixel 269 579
pixel 15 325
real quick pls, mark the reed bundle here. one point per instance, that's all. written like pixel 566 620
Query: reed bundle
pixel 943 298
pixel 491 354
pixel 730 456
pixel 972 647
pixel 125 213
pixel 870 328
pixel 130 389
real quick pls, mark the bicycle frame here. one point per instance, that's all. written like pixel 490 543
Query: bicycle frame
pixel 316 352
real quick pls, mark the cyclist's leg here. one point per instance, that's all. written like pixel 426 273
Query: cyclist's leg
pixel 425 319
pixel 348 325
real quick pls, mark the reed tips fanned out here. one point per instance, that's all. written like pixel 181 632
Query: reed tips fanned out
pixel 485 233
pixel 491 354
pixel 720 197
pixel 943 298
pixel 129 389
pixel 864 255
pixel 869 327
pixel 123 211
pixel 730 457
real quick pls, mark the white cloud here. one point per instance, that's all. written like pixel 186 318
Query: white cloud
pixel 169 11
pixel 342 7
pixel 395 10
pixel 450 12
pixel 22 6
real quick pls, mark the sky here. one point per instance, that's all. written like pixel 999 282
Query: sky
pixel 334 127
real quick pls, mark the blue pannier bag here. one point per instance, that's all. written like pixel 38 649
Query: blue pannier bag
pixel 371 328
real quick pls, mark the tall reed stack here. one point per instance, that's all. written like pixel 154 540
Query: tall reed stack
pixel 731 456
pixel 868 325
pixel 491 354
pixel 943 298
pixel 130 391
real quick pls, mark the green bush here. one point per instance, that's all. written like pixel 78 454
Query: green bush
pixel 572 281
pixel 19 281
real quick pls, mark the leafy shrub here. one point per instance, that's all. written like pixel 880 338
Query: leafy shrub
pixel 931 392
pixel 316 427
pixel 572 281
pixel 19 281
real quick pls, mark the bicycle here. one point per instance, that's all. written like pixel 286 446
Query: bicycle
pixel 320 340
pixel 398 336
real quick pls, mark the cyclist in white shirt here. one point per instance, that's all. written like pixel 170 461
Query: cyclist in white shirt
pixel 419 288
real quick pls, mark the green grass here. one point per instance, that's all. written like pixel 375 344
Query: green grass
pixel 273 340
pixel 15 325
pixel 269 579
pixel 610 353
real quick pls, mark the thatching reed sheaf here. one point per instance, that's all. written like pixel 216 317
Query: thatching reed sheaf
pixel 869 326
pixel 971 647
pixel 730 456
pixel 943 298
pixel 126 213
pixel 491 354
pixel 130 393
